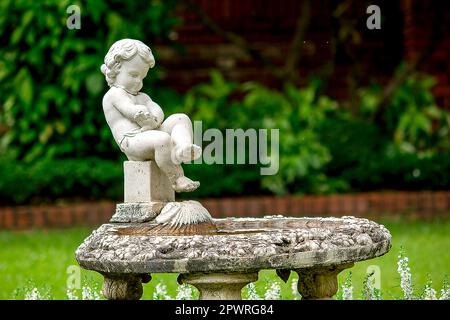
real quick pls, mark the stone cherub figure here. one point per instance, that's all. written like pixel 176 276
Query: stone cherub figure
pixel 136 122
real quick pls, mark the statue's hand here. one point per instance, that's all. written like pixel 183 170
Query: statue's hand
pixel 146 120
pixel 141 116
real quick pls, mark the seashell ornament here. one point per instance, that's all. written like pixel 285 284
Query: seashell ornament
pixel 186 217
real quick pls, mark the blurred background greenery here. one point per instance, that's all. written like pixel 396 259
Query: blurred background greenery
pixel 55 143
pixel 386 133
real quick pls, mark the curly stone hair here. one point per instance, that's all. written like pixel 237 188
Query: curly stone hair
pixel 121 50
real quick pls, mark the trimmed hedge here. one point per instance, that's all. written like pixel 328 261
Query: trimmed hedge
pixel 60 179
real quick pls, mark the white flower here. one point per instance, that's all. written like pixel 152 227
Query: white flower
pixel 160 292
pixel 184 292
pixel 88 294
pixel 445 294
pixel 34 294
pixel 72 294
pixel 273 292
pixel 294 288
pixel 445 290
pixel 347 293
pixel 405 277
pixel 429 293
pixel 369 290
pixel 347 288
pixel 251 292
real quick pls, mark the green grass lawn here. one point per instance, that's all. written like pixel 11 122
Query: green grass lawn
pixel 40 259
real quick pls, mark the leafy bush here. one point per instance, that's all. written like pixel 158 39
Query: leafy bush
pixel 297 113
pixel 412 120
pixel 410 150
pixel 51 92
pixel 324 148
pixel 50 180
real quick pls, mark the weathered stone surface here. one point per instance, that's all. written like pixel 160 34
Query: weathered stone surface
pixel 219 286
pixel 319 282
pixel 124 286
pixel 137 212
pixel 238 245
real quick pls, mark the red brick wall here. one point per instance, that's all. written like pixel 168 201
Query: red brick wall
pixel 370 205
pixel 269 26
pixel 419 16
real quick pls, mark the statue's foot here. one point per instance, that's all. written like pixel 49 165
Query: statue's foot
pixel 186 153
pixel 184 184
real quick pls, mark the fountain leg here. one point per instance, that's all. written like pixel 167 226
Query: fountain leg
pixel 219 286
pixel 124 286
pixel 319 283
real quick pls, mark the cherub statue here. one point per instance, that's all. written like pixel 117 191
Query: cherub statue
pixel 136 122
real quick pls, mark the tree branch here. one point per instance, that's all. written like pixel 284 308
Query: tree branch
pixel 233 38
pixel 389 90
pixel 293 57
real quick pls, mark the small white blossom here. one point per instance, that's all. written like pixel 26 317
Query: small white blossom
pixel 369 290
pixel 347 288
pixel 405 276
pixel 87 293
pixel 445 294
pixel 273 292
pixel 72 294
pixel 160 292
pixel 445 290
pixel 34 294
pixel 294 288
pixel 429 293
pixel 184 292
pixel 251 292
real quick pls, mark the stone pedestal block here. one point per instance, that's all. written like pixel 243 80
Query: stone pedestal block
pixel 145 182
pixel 147 191
pixel 137 212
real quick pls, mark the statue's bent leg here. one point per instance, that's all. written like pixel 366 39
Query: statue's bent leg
pixel 179 126
pixel 153 145
pixel 157 145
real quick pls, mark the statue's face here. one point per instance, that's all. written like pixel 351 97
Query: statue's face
pixel 131 74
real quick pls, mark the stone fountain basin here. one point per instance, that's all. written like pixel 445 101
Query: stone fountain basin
pixel 238 245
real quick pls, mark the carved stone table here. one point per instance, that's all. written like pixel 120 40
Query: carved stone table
pixel 221 262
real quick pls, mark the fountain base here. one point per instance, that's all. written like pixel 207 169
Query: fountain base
pixel 219 286
pixel 230 253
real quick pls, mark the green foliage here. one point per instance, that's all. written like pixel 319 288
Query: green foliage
pixel 50 108
pixel 413 121
pixel 325 148
pixel 51 84
pixel 50 180
pixel 297 113
pixel 409 151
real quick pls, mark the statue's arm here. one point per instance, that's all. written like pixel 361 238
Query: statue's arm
pixel 155 110
pixel 126 106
